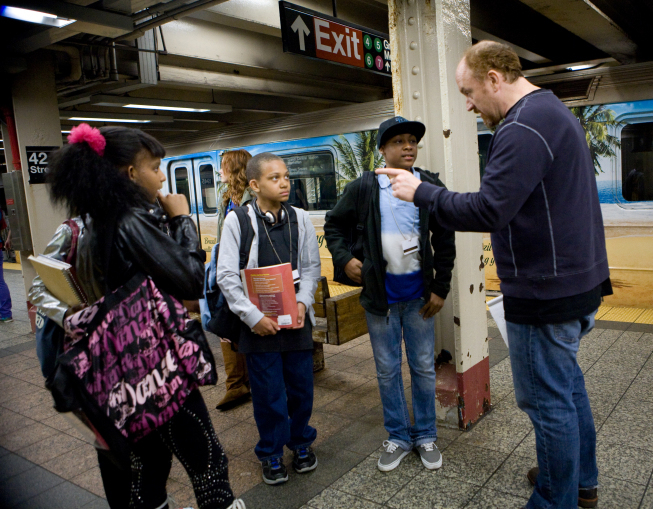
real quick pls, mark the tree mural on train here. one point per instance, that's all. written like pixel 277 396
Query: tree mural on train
pixel 598 122
pixel 354 160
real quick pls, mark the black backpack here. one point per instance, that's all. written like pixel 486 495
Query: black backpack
pixel 355 234
pixel 220 320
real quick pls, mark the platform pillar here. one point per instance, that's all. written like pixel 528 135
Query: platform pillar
pixel 428 40
pixel 36 113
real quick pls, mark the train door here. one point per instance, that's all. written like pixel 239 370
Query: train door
pixel 206 189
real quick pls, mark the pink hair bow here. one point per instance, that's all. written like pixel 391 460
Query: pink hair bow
pixel 84 133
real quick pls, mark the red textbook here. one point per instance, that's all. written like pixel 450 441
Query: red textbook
pixel 272 291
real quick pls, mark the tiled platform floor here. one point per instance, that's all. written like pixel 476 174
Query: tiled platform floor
pixel 45 464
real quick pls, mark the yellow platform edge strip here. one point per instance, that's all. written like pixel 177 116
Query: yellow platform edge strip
pixel 646 317
pixel 619 314
pixel 602 311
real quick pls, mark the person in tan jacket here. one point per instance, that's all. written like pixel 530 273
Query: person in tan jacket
pixel 234 194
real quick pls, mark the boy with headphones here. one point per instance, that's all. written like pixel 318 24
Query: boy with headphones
pixel 279 361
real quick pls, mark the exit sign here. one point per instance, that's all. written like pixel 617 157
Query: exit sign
pixel 315 35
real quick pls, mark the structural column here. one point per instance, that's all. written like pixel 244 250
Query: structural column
pixel 36 114
pixel 428 39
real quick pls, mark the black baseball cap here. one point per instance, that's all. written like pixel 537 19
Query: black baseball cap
pixel 398 125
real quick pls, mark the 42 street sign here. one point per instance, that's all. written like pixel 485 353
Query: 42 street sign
pixel 315 35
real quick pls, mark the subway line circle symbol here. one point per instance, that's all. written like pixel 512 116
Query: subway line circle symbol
pixel 378 45
pixel 369 61
pixel 367 41
pixel 379 62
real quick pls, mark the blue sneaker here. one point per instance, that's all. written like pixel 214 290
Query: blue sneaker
pixel 304 460
pixel 274 471
pixel 6 320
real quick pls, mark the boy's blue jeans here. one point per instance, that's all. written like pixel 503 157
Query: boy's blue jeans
pixel 5 297
pixel 550 388
pixel 419 336
pixel 282 395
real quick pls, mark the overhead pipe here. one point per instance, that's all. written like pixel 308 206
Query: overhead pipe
pixel 8 115
pixel 113 73
pixel 169 16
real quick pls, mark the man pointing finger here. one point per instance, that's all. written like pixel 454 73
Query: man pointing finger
pixel 538 198
pixel 404 184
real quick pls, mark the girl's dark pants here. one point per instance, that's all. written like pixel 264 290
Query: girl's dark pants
pixel 189 435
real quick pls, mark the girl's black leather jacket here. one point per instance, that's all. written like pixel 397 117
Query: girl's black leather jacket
pixel 173 259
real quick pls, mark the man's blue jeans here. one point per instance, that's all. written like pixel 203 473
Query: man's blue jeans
pixel 550 388
pixel 5 297
pixel 419 336
pixel 282 395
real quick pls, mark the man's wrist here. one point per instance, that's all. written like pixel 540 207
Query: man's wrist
pixel 424 194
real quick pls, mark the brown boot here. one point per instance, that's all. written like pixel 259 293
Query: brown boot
pixel 587 497
pixel 237 380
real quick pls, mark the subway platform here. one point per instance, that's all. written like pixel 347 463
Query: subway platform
pixel 45 464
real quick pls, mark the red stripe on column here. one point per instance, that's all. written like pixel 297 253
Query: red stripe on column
pixel 473 393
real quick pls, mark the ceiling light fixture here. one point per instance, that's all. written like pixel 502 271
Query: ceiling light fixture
pixel 31 16
pixel 121 120
pixel 579 67
pixel 147 103
pixel 167 108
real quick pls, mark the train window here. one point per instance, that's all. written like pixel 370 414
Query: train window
pixel 483 147
pixel 207 184
pixel 312 180
pixel 637 161
pixel 181 182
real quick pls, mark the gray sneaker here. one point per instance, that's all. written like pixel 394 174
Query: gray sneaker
pixel 391 457
pixel 431 457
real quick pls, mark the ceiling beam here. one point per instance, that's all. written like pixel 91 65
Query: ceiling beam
pixel 239 101
pixel 634 17
pixel 587 21
pixel 179 76
pixel 224 48
pixel 519 24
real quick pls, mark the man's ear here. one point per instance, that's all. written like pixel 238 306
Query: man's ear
pixel 382 150
pixel 494 78
pixel 253 184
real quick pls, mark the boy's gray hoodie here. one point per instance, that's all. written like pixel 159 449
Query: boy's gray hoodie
pixel 228 272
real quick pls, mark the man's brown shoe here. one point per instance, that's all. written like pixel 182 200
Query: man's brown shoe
pixel 587 497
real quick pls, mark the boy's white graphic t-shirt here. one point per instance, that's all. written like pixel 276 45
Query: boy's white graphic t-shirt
pixel 399 225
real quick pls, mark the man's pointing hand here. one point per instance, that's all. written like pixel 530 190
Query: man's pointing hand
pixel 404 183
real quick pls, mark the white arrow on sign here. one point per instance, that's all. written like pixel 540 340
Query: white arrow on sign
pixel 300 27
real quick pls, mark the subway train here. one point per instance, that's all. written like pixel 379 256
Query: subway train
pixel 327 149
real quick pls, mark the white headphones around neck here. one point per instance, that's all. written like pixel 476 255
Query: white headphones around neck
pixel 269 217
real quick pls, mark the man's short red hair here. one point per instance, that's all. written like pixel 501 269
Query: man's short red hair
pixel 485 56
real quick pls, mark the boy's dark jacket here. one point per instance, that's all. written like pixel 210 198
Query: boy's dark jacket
pixel 438 256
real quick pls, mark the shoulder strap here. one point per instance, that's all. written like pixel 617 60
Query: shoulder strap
pixel 364 199
pixel 74 228
pixel 246 235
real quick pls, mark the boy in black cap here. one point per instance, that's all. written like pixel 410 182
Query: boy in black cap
pixel 405 281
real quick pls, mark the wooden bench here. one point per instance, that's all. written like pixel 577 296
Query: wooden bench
pixel 339 319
